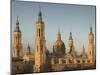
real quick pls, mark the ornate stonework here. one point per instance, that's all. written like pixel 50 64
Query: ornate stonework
pixel 17 44
pixel 40 45
pixel 59 47
pixel 42 60
pixel 91 46
pixel 70 48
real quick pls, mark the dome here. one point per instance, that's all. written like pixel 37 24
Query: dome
pixel 59 46
pixel 59 43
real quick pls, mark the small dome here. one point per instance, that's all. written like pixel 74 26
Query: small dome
pixel 59 48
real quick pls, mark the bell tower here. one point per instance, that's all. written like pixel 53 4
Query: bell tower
pixel 17 44
pixel 91 46
pixel 71 45
pixel 40 45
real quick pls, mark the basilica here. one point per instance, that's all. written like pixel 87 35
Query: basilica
pixel 41 60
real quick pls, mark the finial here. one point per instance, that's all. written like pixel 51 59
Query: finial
pixel 17 22
pixel 70 33
pixel 70 36
pixel 83 50
pixel 17 26
pixel 28 47
pixel 91 28
pixel 59 35
pixel 40 14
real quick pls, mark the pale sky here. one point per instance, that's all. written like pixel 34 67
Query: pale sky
pixel 69 18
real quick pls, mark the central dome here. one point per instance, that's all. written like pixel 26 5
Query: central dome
pixel 59 46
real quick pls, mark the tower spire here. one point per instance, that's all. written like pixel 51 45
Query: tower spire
pixel 17 44
pixel 17 25
pixel 91 29
pixel 84 55
pixel 40 56
pixel 59 35
pixel 28 47
pixel 70 36
pixel 83 50
pixel 17 22
pixel 91 45
pixel 40 14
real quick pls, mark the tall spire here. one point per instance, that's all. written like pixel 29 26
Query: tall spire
pixel 59 35
pixel 84 55
pixel 17 22
pixel 83 50
pixel 28 48
pixel 91 29
pixel 40 15
pixel 70 36
pixel 17 26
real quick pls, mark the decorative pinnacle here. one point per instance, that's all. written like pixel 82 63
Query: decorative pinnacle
pixel 83 51
pixel 59 35
pixel 40 14
pixel 17 26
pixel 70 36
pixel 91 29
pixel 17 22
pixel 28 47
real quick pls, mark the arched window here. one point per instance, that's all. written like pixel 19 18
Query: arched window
pixel 41 47
pixel 83 61
pixel 78 61
pixel 90 52
pixel 39 32
pixel 16 38
pixel 37 48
